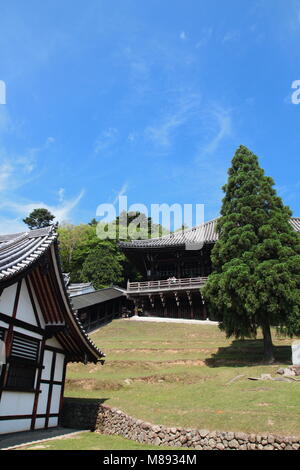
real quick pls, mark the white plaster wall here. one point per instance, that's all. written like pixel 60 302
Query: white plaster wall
pixel 38 308
pixel 54 343
pixel 53 422
pixel 39 423
pixel 14 425
pixel 43 397
pixel 16 403
pixel 59 367
pixel 25 310
pixel 7 300
pixel 47 364
pixel 55 399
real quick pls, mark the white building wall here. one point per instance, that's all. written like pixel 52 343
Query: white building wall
pixel 25 310
pixel 7 300
pixel 17 403
pixel 15 425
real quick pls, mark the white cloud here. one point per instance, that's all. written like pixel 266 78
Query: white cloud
pixel 161 133
pixel 11 225
pixel 20 210
pixel 17 170
pixel 132 136
pixel 221 127
pixel 182 35
pixel 206 35
pixel 231 36
pixel 61 194
pixel 6 171
pixel 105 140
pixel 121 192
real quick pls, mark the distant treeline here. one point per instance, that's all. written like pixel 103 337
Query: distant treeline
pixel 88 258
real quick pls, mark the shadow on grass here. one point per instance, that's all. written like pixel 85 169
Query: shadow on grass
pixel 243 353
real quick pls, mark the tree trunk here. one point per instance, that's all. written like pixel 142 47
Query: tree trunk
pixel 268 344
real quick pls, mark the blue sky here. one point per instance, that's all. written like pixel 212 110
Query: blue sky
pixel 143 98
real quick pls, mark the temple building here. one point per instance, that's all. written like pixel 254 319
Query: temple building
pixel 95 309
pixel 39 332
pixel 174 267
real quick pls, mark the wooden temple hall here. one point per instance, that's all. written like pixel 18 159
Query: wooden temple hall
pixel 39 332
pixel 174 268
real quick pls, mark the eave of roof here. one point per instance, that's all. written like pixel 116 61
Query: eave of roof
pixel 92 298
pixel 21 252
pixel 202 234
pixel 18 252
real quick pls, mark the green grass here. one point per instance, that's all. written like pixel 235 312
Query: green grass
pixel 178 374
pixel 92 441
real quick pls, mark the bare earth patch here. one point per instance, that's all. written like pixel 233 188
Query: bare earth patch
pixel 92 384
pixel 156 364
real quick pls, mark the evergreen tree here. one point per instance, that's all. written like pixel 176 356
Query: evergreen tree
pixel 256 261
pixel 39 218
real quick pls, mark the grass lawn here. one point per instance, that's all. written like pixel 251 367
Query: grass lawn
pixel 179 375
pixel 93 441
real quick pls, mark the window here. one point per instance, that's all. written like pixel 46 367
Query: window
pixel 22 363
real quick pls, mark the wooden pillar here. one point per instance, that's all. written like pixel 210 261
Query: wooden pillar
pixel 204 311
pixel 190 299
pixel 163 302
pixel 177 303
pixel 136 307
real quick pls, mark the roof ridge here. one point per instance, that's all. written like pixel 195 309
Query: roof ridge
pixel 173 234
pixel 21 252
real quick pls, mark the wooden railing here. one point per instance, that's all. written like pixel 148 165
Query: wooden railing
pixel 166 284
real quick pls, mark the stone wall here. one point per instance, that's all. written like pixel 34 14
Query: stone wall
pixel 108 420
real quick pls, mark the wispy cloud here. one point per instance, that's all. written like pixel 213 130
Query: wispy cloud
pixel 121 192
pixel 162 132
pixel 106 139
pixel 206 35
pixel 17 170
pixel 20 210
pixel 6 171
pixel 221 128
pixel 231 36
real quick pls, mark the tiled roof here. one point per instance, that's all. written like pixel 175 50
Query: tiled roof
pixel 20 251
pixel 80 288
pixel 97 297
pixel 203 234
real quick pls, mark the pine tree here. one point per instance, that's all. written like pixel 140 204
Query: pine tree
pixel 256 260
pixel 39 218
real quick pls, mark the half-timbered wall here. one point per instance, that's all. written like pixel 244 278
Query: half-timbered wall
pixel 32 380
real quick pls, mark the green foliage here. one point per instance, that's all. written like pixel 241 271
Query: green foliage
pixel 131 225
pixel 39 218
pixel 256 261
pixel 103 266
pixel 76 242
pixel 91 258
